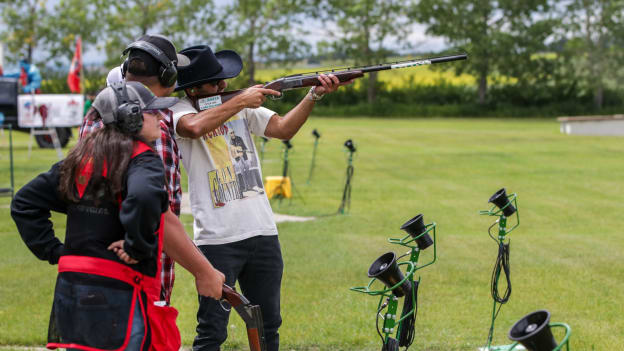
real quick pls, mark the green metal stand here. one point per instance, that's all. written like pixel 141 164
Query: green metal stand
pixel 312 163
pixel 286 172
pixel 11 157
pixel 285 164
pixel 345 205
pixel 502 240
pixel 263 142
pixel 388 300
pixel 10 191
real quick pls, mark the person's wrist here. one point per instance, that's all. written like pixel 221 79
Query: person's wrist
pixel 205 271
pixel 203 274
pixel 238 101
pixel 312 95
pixel 57 252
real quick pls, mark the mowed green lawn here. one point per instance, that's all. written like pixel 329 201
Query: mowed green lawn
pixel 566 256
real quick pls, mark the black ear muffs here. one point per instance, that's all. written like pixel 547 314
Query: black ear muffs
pixel 167 73
pixel 129 116
pixel 124 69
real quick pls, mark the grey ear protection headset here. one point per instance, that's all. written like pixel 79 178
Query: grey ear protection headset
pixel 167 73
pixel 129 116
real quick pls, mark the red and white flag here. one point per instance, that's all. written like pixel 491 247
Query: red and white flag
pixel 23 78
pixel 1 59
pixel 75 70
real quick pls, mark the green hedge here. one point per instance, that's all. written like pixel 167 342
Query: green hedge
pixel 441 100
pixel 56 83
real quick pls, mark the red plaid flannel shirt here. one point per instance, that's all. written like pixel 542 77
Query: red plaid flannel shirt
pixel 169 153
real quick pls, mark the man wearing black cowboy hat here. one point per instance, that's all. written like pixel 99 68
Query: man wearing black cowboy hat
pixel 235 230
pixel 152 60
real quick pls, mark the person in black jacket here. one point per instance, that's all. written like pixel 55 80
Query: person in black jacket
pixel 112 188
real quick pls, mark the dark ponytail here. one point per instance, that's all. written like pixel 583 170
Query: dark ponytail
pixel 106 147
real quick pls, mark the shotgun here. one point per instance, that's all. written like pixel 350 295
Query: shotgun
pixel 251 315
pixel 310 79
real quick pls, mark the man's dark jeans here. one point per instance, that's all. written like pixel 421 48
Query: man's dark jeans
pixel 257 265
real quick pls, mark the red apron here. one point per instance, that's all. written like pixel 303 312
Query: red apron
pixel 159 320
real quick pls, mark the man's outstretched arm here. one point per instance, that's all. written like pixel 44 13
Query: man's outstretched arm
pixel 286 127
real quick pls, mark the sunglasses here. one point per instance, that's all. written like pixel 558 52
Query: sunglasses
pixel 214 83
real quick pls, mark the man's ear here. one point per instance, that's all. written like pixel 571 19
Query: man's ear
pixel 222 85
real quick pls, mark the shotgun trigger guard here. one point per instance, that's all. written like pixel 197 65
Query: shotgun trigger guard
pixel 273 97
pixel 226 309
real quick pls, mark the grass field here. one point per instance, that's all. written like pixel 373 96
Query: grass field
pixel 566 256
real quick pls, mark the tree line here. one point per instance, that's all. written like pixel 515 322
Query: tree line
pixel 561 45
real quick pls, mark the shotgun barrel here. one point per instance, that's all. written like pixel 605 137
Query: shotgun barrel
pixel 303 80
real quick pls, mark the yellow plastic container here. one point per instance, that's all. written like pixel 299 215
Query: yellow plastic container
pixel 278 186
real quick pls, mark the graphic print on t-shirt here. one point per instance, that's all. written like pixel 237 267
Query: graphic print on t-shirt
pixel 236 175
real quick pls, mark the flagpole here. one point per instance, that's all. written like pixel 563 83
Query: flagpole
pixel 1 58
pixel 82 89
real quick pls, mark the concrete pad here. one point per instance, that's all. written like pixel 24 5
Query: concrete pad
pixel 185 208
pixel 279 218
pixel 593 125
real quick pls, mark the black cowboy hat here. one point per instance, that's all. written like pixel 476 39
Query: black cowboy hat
pixel 205 66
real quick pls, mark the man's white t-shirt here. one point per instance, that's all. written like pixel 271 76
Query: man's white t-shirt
pixel 224 178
